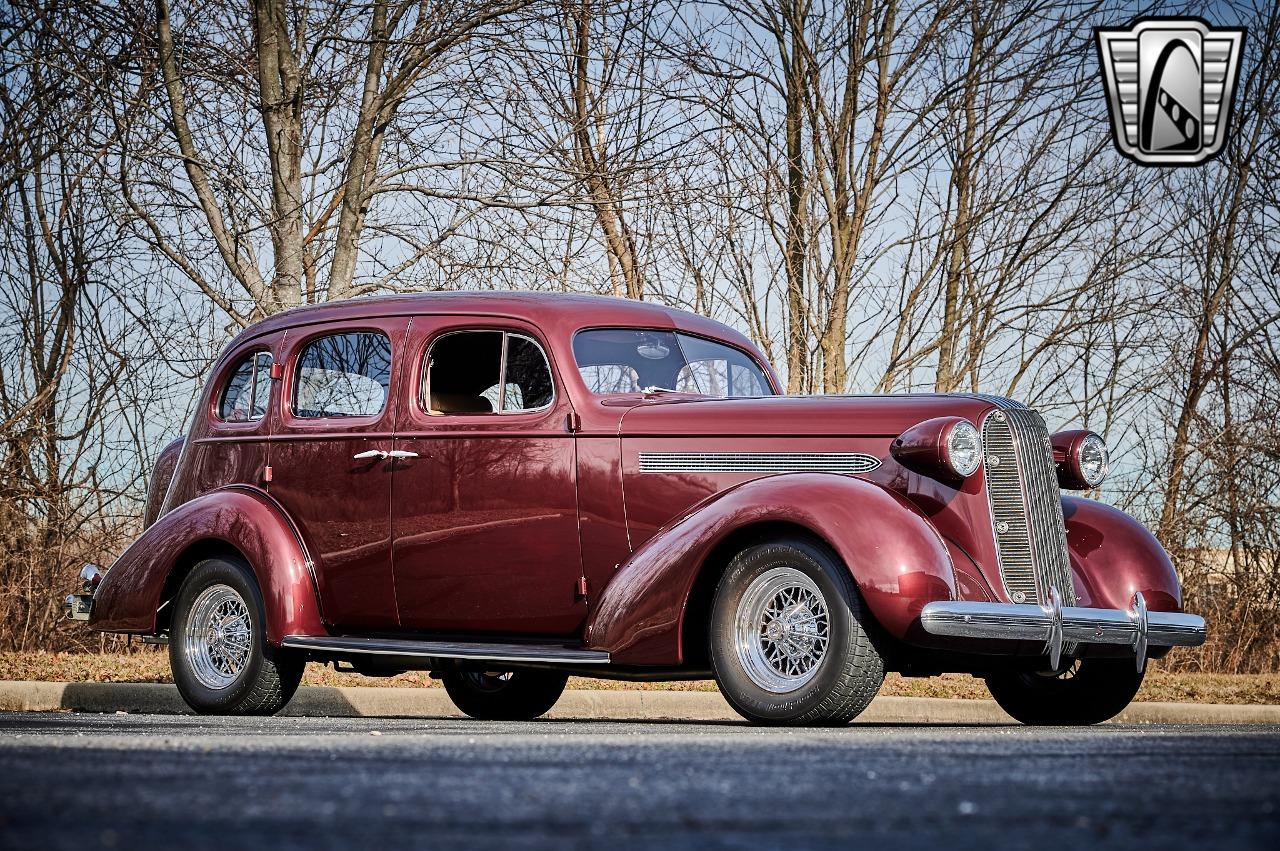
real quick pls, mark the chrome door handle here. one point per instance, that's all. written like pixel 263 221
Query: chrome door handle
pixel 371 453
pixel 401 453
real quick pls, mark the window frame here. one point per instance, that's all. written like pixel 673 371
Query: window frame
pixel 424 374
pixel 295 367
pixel 252 354
pixel 765 369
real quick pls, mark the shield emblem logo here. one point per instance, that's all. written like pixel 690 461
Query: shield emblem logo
pixel 1170 83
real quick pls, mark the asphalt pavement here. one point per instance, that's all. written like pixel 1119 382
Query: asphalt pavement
pixel 139 781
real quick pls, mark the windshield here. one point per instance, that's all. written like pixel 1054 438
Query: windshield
pixel 629 360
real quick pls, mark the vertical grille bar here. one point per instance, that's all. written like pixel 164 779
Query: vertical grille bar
pixel 1026 508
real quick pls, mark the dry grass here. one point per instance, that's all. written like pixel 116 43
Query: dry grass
pixel 148 665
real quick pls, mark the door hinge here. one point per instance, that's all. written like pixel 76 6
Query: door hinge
pixel 582 587
pixel 266 473
pixel 572 422
pixel 277 371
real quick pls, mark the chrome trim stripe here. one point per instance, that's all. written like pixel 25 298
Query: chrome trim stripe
pixel 448 649
pixel 757 462
pixel 1025 622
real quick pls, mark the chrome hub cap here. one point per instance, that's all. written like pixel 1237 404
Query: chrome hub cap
pixel 782 630
pixel 219 637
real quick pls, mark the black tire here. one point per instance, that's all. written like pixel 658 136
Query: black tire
pixel 514 696
pixel 268 677
pixel 841 680
pixel 1089 692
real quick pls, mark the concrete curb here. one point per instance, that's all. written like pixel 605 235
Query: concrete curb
pixel 323 701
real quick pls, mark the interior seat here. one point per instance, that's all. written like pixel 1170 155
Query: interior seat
pixel 459 403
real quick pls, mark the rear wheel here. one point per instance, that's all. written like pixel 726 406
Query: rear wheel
pixel 790 637
pixel 1089 691
pixel 218 649
pixel 508 696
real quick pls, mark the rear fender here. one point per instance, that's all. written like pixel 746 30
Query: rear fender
pixel 1114 556
pixel 892 551
pixel 239 518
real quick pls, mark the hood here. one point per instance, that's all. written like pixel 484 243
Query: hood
pixel 868 416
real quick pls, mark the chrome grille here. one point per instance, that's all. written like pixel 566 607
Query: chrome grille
pixel 757 462
pixel 1026 507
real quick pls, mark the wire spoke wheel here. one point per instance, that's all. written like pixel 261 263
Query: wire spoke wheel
pixel 218 640
pixel 782 630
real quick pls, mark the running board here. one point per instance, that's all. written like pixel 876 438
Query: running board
pixel 557 653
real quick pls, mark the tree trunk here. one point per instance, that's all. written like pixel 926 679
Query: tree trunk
pixel 593 161
pixel 796 250
pixel 361 162
pixel 948 377
pixel 280 102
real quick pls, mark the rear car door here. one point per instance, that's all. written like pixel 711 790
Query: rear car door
pixel 485 516
pixel 329 465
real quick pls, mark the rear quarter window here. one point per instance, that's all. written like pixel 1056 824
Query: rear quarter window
pixel 247 392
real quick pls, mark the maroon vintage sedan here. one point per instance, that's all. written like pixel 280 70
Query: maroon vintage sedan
pixel 504 489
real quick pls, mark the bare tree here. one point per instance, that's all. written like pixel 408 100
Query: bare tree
pixel 68 464
pixel 295 65
pixel 892 195
pixel 1229 251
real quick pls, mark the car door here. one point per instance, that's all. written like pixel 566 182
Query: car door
pixel 484 514
pixel 329 464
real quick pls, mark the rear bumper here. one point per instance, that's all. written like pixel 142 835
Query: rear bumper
pixel 1057 625
pixel 78 607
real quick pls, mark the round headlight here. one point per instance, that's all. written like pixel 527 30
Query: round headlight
pixel 1092 461
pixel 964 449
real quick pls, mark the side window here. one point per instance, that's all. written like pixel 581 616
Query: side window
pixel 605 378
pixel 713 369
pixel 248 391
pixel 528 377
pixel 486 372
pixel 719 378
pixel 460 369
pixel 343 375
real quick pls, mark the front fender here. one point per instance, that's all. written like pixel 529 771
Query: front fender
pixel 1113 555
pixel 893 552
pixel 243 518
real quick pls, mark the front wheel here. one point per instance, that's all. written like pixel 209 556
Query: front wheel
pixel 218 648
pixel 1090 691
pixel 506 696
pixel 791 641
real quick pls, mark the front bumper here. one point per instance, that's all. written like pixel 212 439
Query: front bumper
pixel 1057 625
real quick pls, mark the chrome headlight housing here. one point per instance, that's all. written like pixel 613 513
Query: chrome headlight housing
pixel 1081 458
pixel 1092 461
pixel 948 449
pixel 963 449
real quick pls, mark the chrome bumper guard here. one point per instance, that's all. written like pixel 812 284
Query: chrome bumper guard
pixel 1057 625
pixel 78 606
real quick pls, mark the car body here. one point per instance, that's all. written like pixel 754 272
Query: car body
pixel 582 515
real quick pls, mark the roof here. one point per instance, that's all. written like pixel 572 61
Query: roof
pixel 552 312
